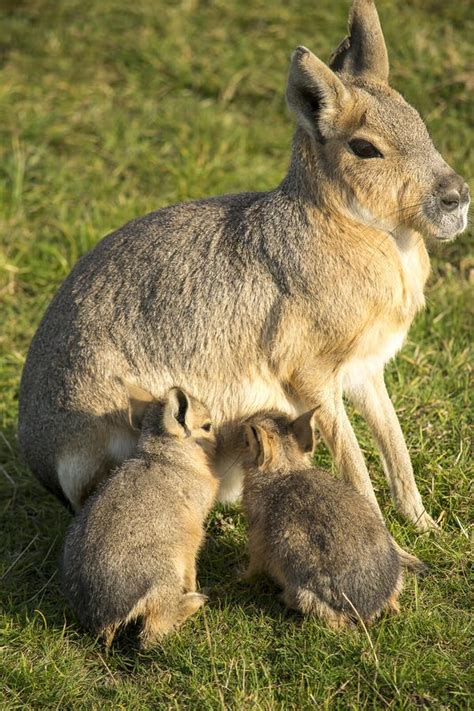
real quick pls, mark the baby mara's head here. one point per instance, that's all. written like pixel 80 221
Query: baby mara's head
pixel 178 415
pixel 274 441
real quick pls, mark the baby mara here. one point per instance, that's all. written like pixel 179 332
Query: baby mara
pixel 131 551
pixel 318 538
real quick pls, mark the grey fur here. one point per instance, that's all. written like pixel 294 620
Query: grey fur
pixel 251 301
pixel 314 534
pixel 130 552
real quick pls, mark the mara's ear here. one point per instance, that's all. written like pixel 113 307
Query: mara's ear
pixel 260 445
pixel 138 401
pixel 363 51
pixel 314 93
pixel 303 431
pixel 177 413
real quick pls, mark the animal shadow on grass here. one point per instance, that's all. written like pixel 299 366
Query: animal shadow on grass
pixel 33 526
pixel 222 559
pixel 221 565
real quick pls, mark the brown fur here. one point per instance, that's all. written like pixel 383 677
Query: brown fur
pixel 131 551
pixel 282 300
pixel 319 539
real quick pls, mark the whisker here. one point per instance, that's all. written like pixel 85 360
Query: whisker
pixel 402 214
pixel 391 233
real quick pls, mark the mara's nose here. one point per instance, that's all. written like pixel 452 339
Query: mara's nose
pixel 452 192
pixel 450 200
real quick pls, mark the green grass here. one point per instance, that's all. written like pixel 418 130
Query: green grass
pixel 111 109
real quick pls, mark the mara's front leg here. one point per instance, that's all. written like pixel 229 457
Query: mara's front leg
pixel 331 418
pixel 371 398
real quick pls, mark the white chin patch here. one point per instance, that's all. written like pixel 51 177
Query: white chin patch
pixel 452 225
pixel 464 214
pixel 446 226
pixel 362 214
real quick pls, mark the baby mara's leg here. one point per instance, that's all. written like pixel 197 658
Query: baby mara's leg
pixel 308 603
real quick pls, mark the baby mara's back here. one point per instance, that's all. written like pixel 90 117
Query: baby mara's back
pixel 314 534
pixel 333 544
pixel 131 551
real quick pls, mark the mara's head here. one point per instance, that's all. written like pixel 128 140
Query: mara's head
pixel 177 414
pixel 274 441
pixel 373 147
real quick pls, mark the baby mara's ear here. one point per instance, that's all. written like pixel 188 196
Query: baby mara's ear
pixel 138 401
pixel 261 445
pixel 303 431
pixel 177 414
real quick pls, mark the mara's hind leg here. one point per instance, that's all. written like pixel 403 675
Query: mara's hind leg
pixel 109 633
pixel 306 602
pixel 392 603
pixel 189 581
pixel 85 462
pixel 156 624
pixel 79 472
pixel 188 605
pixel 160 618
pixel 257 564
pixel 230 472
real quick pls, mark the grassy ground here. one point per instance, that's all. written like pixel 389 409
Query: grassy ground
pixel 111 109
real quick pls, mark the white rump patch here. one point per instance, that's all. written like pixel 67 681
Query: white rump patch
pixel 121 445
pixel 75 471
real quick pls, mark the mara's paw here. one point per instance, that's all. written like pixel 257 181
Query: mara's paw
pixel 393 606
pixel 424 522
pixel 148 641
pixel 247 573
pixel 418 516
pixel 108 634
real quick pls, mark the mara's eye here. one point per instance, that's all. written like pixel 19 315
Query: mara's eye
pixel 207 427
pixel 364 149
